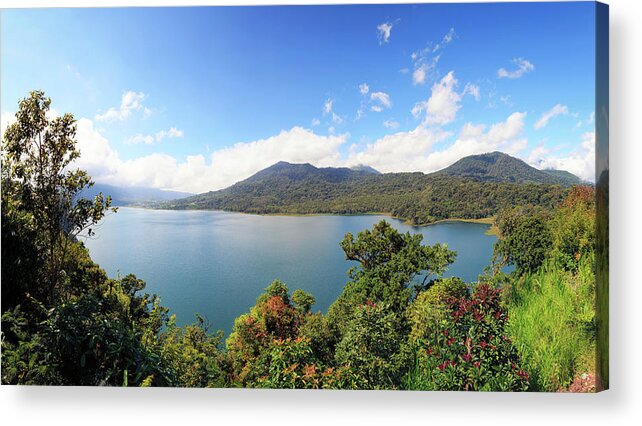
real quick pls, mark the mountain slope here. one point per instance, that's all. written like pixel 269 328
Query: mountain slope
pixel 500 167
pixel 290 171
pixel 461 192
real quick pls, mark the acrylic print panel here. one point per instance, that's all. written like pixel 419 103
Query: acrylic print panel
pixel 320 197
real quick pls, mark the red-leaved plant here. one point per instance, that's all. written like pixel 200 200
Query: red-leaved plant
pixel 469 349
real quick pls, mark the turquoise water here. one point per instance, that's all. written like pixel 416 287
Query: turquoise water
pixel 217 263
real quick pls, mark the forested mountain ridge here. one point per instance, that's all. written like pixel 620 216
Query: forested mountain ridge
pixel 499 167
pixel 419 198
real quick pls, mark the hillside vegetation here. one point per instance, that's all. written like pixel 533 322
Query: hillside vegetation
pixel 464 190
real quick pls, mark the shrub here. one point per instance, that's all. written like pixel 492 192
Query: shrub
pixel 470 351
pixel 431 306
pixel 372 347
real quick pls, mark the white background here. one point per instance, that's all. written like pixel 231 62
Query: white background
pixel 620 405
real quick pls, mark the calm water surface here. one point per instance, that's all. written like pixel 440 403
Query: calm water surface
pixel 217 263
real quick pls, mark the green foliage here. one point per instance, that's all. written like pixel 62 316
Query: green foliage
pixel 573 228
pixel 193 354
pixel 63 321
pixel 470 349
pixel 553 308
pixel 500 167
pixel 292 365
pixel 430 308
pixel 389 261
pixel 43 189
pixel 414 197
pixel 303 300
pixel 372 347
pixel 25 356
pixel 552 323
pixel 323 339
pixel 272 318
pixel 525 238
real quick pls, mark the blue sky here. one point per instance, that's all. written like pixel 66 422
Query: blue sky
pixel 198 98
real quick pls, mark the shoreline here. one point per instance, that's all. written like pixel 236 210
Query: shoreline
pixel 485 220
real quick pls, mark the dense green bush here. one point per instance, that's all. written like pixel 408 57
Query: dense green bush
pixel 431 306
pixel 372 347
pixel 525 238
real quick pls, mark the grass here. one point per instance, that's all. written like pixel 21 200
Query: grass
pixel 552 316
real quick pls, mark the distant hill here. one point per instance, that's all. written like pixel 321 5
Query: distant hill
pixel 298 172
pixel 133 195
pixel 364 168
pixel 474 187
pixel 500 167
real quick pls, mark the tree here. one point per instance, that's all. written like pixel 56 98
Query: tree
pixel 389 261
pixel 525 238
pixel 303 300
pixel 372 347
pixel 40 185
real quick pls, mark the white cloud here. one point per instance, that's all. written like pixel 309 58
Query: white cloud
pixel 505 99
pixel 580 161
pixel 558 109
pixel 376 108
pixel 130 101
pixel 173 132
pixel 336 119
pixel 473 90
pixel 423 66
pixel 402 151
pixel 364 89
pixel 382 99
pixel 448 37
pixel 444 102
pixel 327 106
pixel 425 61
pixel 383 31
pixel 589 121
pixel 419 75
pixel 390 124
pixel 198 173
pixel 6 120
pixel 523 67
pixel 414 150
pixel 315 122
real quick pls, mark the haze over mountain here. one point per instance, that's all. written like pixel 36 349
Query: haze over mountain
pixel 133 195
pixel 474 187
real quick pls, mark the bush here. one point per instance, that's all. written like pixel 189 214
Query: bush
pixel 470 351
pixel 525 238
pixel 431 306
pixel 372 347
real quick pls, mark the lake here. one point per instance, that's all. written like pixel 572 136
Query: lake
pixel 217 263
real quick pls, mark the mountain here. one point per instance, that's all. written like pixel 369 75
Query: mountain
pixel 297 172
pixel 500 167
pixel 133 195
pixel 474 187
pixel 364 168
